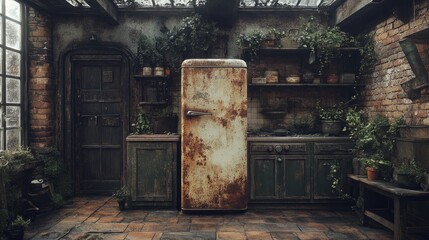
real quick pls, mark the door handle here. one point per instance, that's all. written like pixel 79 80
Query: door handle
pixel 195 113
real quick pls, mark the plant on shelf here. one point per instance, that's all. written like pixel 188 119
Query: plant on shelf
pixel 142 124
pixel 122 196
pixel 331 118
pixel 373 163
pixel 250 44
pixel 323 42
pixel 409 174
pixel 272 38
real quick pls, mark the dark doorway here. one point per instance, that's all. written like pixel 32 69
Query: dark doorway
pixel 99 123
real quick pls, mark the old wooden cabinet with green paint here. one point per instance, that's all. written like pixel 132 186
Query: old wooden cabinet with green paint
pixel 152 170
pixel 288 169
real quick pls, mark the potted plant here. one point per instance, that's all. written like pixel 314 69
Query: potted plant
pixel 324 42
pixel 331 118
pixel 373 164
pixel 272 38
pixel 409 174
pixel 142 124
pixel 121 196
pixel 17 227
pixel 250 44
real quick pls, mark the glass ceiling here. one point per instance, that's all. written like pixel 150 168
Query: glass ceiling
pixel 191 3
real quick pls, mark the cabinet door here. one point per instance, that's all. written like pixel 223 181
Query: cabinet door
pixel 264 177
pixel 150 168
pixel 296 177
pixel 322 174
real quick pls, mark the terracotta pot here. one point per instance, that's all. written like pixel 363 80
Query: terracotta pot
pixel 332 78
pixel 372 173
pixel 269 43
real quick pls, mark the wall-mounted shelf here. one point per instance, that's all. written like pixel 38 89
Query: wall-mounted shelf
pixel 305 85
pixel 154 90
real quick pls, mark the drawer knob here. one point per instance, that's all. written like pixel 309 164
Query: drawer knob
pixel 279 160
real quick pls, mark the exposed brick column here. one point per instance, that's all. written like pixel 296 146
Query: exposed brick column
pixel 41 87
pixel 383 92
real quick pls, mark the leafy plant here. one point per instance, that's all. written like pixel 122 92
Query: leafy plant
pixel 375 161
pixel 410 167
pixel 142 124
pixel 17 156
pixel 324 42
pixel 367 52
pixel 121 194
pixel 192 38
pixel 19 222
pixel 372 136
pixel 334 113
pixel 250 44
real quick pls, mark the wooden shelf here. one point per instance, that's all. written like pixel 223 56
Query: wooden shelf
pixel 305 85
pixel 152 103
pixel 152 77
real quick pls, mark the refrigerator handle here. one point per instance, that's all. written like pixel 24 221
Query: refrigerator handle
pixel 191 113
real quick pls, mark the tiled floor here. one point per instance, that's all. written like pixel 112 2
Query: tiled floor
pixel 99 218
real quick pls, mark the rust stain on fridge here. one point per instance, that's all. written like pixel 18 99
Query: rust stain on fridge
pixel 214 134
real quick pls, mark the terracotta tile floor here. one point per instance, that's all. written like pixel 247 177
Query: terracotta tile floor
pixel 99 218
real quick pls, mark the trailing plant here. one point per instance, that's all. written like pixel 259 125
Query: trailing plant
pixel 367 53
pixel 142 124
pixel 334 177
pixel 250 44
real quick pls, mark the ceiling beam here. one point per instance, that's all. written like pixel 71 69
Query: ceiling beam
pixel 352 12
pixel 106 8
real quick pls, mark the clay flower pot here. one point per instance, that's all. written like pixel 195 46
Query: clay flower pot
pixel 372 173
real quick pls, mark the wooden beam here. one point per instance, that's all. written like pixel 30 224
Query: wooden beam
pixel 107 8
pixel 349 8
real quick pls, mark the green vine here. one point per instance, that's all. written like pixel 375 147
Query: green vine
pixel 142 124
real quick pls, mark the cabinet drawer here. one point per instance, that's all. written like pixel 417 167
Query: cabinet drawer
pixel 333 148
pixel 279 148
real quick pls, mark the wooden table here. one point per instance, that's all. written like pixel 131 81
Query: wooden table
pixel 394 218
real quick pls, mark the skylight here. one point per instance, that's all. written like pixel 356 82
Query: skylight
pixel 243 3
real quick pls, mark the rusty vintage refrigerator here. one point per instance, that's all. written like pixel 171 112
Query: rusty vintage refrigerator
pixel 214 134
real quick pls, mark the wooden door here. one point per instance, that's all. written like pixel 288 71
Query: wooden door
pixel 99 127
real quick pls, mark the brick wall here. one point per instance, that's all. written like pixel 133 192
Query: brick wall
pixel 41 89
pixel 383 92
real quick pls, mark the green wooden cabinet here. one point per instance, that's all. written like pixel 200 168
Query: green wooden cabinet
pixel 279 177
pixel 287 170
pixel 151 168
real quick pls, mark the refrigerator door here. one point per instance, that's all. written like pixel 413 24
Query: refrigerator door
pixel 214 134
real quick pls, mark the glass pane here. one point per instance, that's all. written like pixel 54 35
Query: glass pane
pixel 13 114
pixel 1 58
pixel 1 27
pixel 13 10
pixel 13 90
pixel 13 138
pixel 13 35
pixel 13 63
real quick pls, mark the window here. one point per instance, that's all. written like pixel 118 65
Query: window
pixel 11 79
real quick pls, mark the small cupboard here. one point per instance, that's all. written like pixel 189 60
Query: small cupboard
pixel 151 169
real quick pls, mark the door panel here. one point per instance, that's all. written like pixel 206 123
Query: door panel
pixel 296 179
pixel 99 128
pixel 263 178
